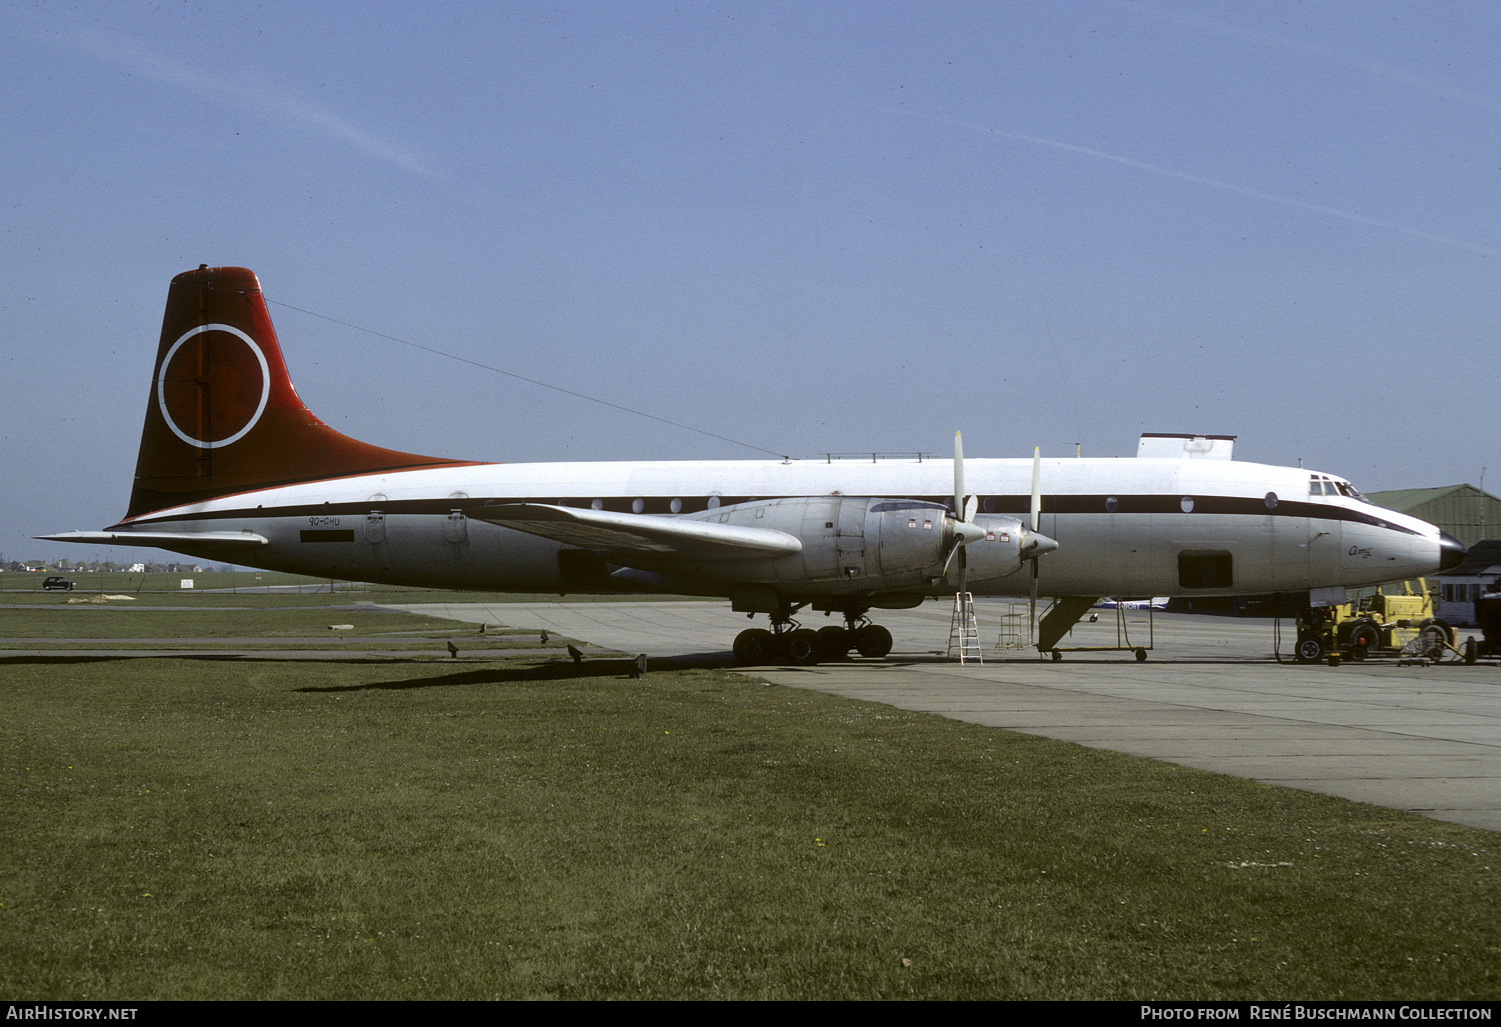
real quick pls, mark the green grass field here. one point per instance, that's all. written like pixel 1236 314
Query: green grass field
pixel 18 587
pixel 221 828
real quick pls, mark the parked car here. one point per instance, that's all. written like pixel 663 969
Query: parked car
pixel 57 583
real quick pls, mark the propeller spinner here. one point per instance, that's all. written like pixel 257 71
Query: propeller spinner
pixel 961 528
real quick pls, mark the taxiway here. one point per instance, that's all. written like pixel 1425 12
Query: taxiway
pixel 1211 696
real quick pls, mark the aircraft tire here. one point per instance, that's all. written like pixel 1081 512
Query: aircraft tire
pixel 1141 656
pixel 873 641
pixel 802 647
pixel 834 642
pixel 754 647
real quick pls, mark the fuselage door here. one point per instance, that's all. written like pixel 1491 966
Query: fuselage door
pixel 456 525
pixel 1325 543
pixel 849 542
pixel 1280 562
pixel 375 520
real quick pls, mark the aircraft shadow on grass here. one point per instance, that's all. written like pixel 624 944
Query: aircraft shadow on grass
pixel 555 670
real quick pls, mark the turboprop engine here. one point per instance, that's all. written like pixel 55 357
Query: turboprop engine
pixel 861 544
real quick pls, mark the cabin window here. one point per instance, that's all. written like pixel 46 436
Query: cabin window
pixel 1186 504
pixel 676 506
pixel 597 504
pixel 1271 500
pixel 713 502
pixel 637 505
pixel 1205 569
pixel 1112 504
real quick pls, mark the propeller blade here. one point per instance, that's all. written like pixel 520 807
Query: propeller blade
pixel 956 555
pixel 959 476
pixel 1032 603
pixel 1036 524
pixel 948 561
pixel 963 528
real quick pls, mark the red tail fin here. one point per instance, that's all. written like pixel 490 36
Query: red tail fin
pixel 223 416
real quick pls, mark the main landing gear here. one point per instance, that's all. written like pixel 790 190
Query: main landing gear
pixel 786 642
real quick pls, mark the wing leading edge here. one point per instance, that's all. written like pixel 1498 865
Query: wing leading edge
pixel 646 534
pixel 163 539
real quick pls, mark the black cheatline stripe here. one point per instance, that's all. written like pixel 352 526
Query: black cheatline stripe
pixel 1019 506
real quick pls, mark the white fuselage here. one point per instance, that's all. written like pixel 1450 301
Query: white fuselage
pixel 1137 526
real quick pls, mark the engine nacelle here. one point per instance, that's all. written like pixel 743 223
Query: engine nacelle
pixel 854 544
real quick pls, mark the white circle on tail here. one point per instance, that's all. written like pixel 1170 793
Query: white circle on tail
pixel 244 422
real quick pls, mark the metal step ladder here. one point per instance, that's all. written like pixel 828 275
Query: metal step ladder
pixel 964 631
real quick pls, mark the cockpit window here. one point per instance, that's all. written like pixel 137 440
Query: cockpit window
pixel 1319 485
pixel 1346 489
pixel 1323 485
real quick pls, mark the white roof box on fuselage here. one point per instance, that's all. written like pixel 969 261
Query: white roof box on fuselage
pixel 1198 447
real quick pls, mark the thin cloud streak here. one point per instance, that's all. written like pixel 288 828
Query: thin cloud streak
pixel 1212 183
pixel 257 99
pixel 1416 82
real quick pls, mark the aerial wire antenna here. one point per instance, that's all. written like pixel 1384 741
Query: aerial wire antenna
pixel 1047 327
pixel 531 381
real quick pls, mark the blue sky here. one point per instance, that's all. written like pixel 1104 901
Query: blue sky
pixel 805 227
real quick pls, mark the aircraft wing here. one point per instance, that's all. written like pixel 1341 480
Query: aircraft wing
pixel 162 539
pixel 648 534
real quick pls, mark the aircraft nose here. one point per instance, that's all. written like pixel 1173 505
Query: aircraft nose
pixel 1452 551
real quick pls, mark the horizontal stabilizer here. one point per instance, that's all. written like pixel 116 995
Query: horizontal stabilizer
pixel 162 539
pixel 640 533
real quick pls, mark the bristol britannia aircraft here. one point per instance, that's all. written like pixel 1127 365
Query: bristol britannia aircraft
pixel 233 467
